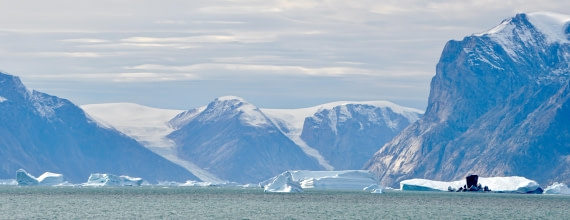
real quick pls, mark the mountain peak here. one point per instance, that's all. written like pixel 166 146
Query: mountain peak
pixel 554 26
pixel 229 98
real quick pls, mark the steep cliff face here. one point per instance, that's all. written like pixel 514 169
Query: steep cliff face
pixel 40 133
pixel 495 108
pixel 348 135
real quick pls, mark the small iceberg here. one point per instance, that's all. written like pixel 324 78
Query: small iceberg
pixel 8 182
pixel 23 178
pixel 283 183
pixel 557 188
pixel 514 184
pixel 103 179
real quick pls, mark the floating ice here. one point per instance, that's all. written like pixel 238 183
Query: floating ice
pixel 557 188
pixel 23 178
pixel 283 183
pixel 330 180
pixel 498 184
pixel 2 99
pixel 98 179
pixel 8 182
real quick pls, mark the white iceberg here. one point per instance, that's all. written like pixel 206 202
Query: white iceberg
pixel 498 184
pixel 329 180
pixel 8 182
pixel 23 178
pixel 283 183
pixel 374 188
pixel 557 188
pixel 103 179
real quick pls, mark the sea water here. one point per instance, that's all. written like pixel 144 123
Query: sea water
pixel 252 203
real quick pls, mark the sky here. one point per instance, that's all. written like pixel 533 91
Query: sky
pixel 182 54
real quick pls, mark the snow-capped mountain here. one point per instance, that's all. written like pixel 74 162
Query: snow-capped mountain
pixel 498 106
pixel 40 133
pixel 344 134
pixel 234 140
pixel 212 141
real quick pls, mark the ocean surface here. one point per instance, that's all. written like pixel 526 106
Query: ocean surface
pixel 252 203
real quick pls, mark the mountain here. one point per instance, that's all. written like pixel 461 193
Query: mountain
pixel 498 106
pixel 40 133
pixel 344 134
pixel 236 141
pixel 211 141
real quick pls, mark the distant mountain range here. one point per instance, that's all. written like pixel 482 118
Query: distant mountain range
pixel 498 106
pixel 233 140
pixel 40 133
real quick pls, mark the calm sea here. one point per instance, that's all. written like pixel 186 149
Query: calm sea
pixel 239 203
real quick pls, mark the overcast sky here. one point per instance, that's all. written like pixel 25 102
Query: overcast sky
pixel 276 54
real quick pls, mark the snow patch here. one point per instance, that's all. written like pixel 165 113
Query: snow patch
pixel 498 184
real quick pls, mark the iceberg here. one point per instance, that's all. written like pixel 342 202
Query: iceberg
pixel 8 182
pixel 329 180
pixel 23 178
pixel 99 179
pixel 514 184
pixel 557 188
pixel 283 183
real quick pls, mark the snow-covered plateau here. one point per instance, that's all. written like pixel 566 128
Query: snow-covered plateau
pixel 297 180
pixel 514 184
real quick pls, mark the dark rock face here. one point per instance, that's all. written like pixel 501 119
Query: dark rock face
pixel 348 135
pixel 498 106
pixel 471 180
pixel 40 133
pixel 235 141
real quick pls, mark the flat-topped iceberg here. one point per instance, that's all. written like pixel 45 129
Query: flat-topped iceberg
pixel 557 188
pixel 498 184
pixel 23 178
pixel 330 180
pixel 103 179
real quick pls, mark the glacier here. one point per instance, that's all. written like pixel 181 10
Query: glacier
pixel 103 179
pixel 515 184
pixel 324 180
pixel 23 178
